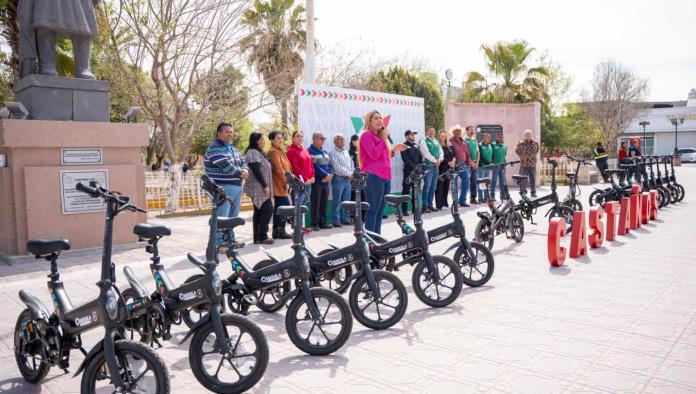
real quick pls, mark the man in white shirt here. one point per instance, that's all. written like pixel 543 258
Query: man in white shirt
pixel 432 156
pixel 341 182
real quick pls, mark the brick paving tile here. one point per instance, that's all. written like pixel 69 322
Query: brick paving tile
pixel 622 319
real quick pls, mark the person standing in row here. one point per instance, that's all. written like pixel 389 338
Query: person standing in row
pixel 375 159
pixel 343 175
pixel 499 157
pixel 461 154
pixel 324 175
pixel 226 166
pixel 411 157
pixel 302 166
pixel 259 187
pixel 281 190
pixel 432 156
pixel 527 151
pixel 633 153
pixel 442 190
pixel 486 159
pixel 601 158
pixel 472 143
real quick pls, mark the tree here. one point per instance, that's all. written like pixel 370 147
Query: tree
pixel 615 99
pixel 513 80
pixel 398 80
pixel 571 131
pixel 179 44
pixel 273 46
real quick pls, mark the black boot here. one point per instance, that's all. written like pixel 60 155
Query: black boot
pixel 281 234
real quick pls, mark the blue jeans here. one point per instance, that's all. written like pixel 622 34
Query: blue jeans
pixel 375 189
pixel 429 185
pixel 340 191
pixel 482 173
pixel 473 176
pixel 303 199
pixel 234 192
pixel 464 176
pixel 498 176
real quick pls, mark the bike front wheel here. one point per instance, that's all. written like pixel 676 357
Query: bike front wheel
pixel 383 312
pixel 680 188
pixel 441 292
pixel 477 271
pixel 238 367
pixel 322 336
pixel 140 368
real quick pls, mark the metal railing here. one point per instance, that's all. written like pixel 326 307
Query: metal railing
pixel 158 191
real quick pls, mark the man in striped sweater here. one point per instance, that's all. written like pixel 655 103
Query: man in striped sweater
pixel 225 165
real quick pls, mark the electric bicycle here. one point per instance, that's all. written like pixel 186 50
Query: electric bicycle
pixel 218 339
pixel 43 340
pixel 475 260
pixel 437 280
pixel 502 219
pixel 371 289
pixel 572 198
pixel 527 207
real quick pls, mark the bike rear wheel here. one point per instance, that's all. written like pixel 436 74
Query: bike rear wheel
pixel 441 292
pixel 191 316
pixel 240 367
pixel 33 368
pixel 476 272
pixel 563 212
pixel 680 188
pixel 140 368
pixel 270 299
pixel 366 307
pixel 484 233
pixel 325 335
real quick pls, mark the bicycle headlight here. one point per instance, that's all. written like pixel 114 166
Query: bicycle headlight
pixel 112 307
pixel 217 285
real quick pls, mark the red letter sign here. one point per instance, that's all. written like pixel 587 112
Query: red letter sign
pixel 557 253
pixel 612 209
pixel 624 216
pixel 578 239
pixel 653 204
pixel 597 237
pixel 635 211
pixel 645 207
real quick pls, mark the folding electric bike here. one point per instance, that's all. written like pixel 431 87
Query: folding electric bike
pixel 219 339
pixel 502 218
pixel 43 340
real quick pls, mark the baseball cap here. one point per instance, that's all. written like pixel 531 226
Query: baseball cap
pixel 409 132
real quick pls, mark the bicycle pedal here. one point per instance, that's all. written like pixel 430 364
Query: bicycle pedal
pixel 250 299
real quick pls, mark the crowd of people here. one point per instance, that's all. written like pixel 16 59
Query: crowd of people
pixel 261 174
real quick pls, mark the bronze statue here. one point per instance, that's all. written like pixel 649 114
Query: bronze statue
pixel 41 22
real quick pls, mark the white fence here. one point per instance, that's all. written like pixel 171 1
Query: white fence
pixel 158 190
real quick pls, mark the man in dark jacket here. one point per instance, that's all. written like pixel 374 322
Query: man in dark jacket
pixel 411 158
pixel 320 190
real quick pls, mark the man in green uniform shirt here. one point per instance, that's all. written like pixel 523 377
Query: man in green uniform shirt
pixel 470 140
pixel 499 154
pixel 486 150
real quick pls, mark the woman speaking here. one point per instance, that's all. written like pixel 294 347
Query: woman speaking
pixel 375 160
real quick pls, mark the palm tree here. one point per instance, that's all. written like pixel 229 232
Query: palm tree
pixel 273 46
pixel 514 81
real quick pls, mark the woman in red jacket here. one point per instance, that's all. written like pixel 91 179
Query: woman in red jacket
pixel 301 163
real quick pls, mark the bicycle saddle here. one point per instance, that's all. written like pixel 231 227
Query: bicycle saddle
pixel 395 199
pixel 519 178
pixel 147 230
pixel 288 211
pixel 486 181
pixel 351 205
pixel 229 222
pixel 570 174
pixel 42 247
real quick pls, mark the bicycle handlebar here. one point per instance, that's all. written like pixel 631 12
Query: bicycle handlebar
pixel 96 191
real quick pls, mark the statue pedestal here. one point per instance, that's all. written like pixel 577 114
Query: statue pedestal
pixel 44 161
pixel 56 98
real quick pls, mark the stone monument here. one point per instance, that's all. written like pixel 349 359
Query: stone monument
pixel 43 93
pixel 66 139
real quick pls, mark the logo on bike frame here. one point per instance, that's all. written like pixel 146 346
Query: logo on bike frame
pixel 190 295
pixel 272 278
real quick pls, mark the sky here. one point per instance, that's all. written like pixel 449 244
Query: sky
pixel 657 39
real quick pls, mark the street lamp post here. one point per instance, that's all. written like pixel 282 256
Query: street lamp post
pixel 644 123
pixel 676 123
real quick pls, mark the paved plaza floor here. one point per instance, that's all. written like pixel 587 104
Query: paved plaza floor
pixel 621 319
